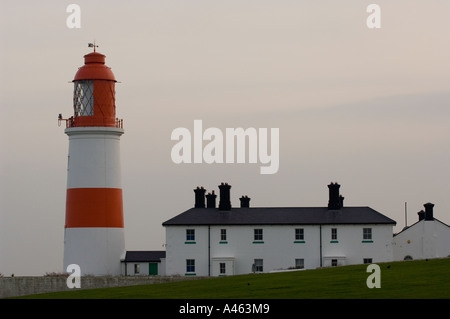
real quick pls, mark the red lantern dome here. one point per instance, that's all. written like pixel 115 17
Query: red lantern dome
pixel 94 68
pixel 94 94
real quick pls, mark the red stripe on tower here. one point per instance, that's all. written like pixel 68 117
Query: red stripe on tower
pixel 94 207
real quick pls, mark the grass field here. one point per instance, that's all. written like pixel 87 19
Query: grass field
pixel 409 279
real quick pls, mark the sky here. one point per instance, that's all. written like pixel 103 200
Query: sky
pixel 367 108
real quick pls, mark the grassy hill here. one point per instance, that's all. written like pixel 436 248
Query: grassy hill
pixel 409 279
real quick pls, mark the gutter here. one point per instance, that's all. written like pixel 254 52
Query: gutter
pixel 320 241
pixel 209 250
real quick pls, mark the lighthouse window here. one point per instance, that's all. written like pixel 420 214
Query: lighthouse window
pixel 83 98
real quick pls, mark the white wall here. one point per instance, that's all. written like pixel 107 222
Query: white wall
pixel 96 250
pixel 94 157
pixel 177 251
pixel 352 246
pixel 143 268
pixel 278 249
pixel 425 239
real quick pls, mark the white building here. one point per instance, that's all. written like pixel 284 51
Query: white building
pixel 144 263
pixel 427 238
pixel 210 241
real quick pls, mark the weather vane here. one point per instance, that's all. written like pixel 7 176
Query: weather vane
pixel 92 45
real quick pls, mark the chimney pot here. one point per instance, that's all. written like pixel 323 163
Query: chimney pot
pixel 224 203
pixel 335 201
pixel 245 201
pixel 211 200
pixel 429 211
pixel 341 200
pixel 421 215
pixel 199 197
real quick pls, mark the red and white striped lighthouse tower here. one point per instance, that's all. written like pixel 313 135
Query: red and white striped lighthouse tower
pixel 94 227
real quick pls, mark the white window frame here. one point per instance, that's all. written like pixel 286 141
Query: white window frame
pixel 258 264
pixel 223 234
pixel 334 234
pixel 258 234
pixel 190 266
pixel 190 235
pixel 299 263
pixel 222 268
pixel 367 233
pixel 299 234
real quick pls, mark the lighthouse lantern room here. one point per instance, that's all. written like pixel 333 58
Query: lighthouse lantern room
pixel 94 225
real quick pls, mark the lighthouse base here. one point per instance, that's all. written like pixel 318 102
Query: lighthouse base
pixel 96 250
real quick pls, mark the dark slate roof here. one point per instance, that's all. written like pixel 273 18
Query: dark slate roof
pixel 279 216
pixel 144 256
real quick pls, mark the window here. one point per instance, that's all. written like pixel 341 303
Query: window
pixel 334 262
pixel 299 234
pixel 299 263
pixel 223 234
pixel 83 98
pixel 367 260
pixel 190 235
pixel 408 257
pixel 367 234
pixel 258 265
pixel 333 234
pixel 222 268
pixel 258 234
pixel 137 269
pixel 190 266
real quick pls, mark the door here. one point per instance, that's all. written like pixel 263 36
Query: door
pixel 153 269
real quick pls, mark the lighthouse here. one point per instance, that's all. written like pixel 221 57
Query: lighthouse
pixel 94 224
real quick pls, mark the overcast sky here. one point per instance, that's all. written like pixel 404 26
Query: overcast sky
pixel 367 108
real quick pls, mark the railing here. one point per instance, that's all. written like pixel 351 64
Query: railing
pixel 71 122
pixel 119 123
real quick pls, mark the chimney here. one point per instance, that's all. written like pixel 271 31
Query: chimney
pixel 341 200
pixel 211 200
pixel 335 201
pixel 245 201
pixel 199 197
pixel 421 215
pixel 428 211
pixel 224 203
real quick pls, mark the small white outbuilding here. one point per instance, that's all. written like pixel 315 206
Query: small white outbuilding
pixel 144 263
pixel 427 238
